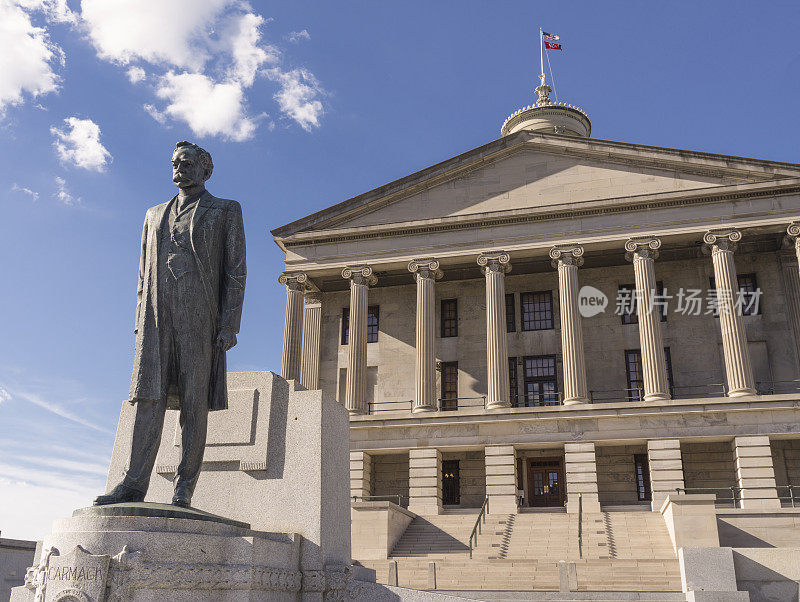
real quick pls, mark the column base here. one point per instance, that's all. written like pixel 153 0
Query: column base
pixel 745 392
pixel 356 412
pixel 657 397
pixel 573 401
pixel 498 405
pixel 421 408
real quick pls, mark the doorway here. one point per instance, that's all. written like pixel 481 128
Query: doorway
pixel 451 483
pixel 546 482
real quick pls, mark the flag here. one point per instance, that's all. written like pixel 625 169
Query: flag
pixel 550 36
pixel 552 46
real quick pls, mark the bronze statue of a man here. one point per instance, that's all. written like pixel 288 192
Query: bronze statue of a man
pixel 189 305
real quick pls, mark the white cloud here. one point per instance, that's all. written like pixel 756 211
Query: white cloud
pixel 159 116
pixel 204 58
pixel 298 36
pixel 156 31
pixel 54 10
pixel 55 408
pixel 242 35
pixel 63 195
pixel 297 96
pixel 4 395
pixel 79 144
pixel 27 55
pixel 210 109
pixel 136 74
pixel 28 510
pixel 35 197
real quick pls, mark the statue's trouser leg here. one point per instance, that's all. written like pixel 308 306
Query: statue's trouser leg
pixel 193 336
pixel 146 437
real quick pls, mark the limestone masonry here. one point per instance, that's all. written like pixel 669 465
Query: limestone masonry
pixel 563 336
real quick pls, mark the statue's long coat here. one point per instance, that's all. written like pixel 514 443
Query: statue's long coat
pixel 217 235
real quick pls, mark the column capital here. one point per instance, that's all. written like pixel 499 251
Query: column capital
pixel 642 247
pixel 494 261
pixel 722 239
pixel 425 268
pixel 793 235
pixel 295 281
pixel 360 274
pixel 571 254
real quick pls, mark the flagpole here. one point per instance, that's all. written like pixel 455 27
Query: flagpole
pixel 541 53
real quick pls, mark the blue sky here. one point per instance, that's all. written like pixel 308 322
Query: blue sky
pixel 302 105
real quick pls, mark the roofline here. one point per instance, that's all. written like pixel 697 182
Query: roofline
pixel 494 148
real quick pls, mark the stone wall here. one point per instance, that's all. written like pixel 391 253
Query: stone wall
pixel 694 340
pixel 472 474
pixel 390 476
pixel 740 528
pixel 709 465
pixel 786 461
pixel 616 474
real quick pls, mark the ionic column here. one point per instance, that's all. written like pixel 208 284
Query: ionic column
pixel 494 266
pixel 426 272
pixel 293 324
pixel 355 397
pixel 793 231
pixel 722 244
pixel 309 374
pixel 791 281
pixel 567 258
pixel 643 251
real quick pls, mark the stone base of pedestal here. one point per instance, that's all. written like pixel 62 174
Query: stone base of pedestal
pixel 157 552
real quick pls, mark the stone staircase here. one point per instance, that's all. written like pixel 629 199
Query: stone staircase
pixel 622 551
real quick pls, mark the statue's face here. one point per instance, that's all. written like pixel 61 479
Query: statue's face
pixel 187 170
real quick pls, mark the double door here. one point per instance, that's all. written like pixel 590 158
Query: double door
pixel 546 482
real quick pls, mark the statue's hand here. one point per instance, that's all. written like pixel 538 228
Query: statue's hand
pixel 226 339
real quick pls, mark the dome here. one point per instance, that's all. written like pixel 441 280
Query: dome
pixel 548 116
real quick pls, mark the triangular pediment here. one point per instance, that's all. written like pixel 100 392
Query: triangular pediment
pixel 535 171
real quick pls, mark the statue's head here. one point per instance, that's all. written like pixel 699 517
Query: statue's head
pixel 191 165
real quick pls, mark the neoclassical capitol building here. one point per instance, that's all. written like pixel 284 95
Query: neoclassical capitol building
pixel 598 340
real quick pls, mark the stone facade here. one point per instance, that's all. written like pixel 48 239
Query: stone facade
pixel 502 364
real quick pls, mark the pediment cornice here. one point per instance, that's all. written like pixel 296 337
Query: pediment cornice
pixel 603 151
pixel 584 209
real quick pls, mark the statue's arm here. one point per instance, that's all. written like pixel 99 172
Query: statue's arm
pixel 234 271
pixel 140 287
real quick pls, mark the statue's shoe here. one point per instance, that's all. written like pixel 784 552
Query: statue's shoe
pixel 182 497
pixel 119 495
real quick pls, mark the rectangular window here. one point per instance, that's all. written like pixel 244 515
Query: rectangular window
pixel 541 384
pixel 373 313
pixel 536 310
pixel 633 367
pixel 642 475
pixel 511 313
pixel 513 382
pixel 747 297
pixel 449 318
pixel 748 285
pixel 627 302
pixel 449 399
pixel 345 325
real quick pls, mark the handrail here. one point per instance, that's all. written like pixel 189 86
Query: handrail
pixel 736 497
pixel 580 525
pixel 369 498
pixel 372 409
pixel 458 405
pixel 476 530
